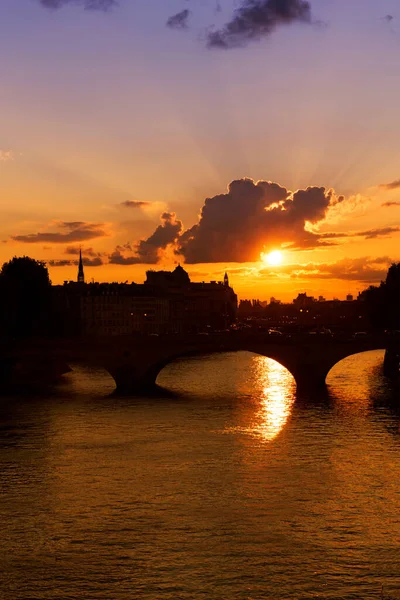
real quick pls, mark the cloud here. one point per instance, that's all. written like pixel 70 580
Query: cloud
pixel 371 234
pixel 103 5
pixel 393 185
pixel 235 227
pixel 388 18
pixel 6 155
pixel 76 231
pixel 256 19
pixel 60 263
pixel 364 269
pixel 309 241
pixel 117 258
pixel 148 251
pixel 250 218
pixel 312 240
pixel 180 20
pixel 134 204
pixel 92 262
pixel 75 250
pixel 388 204
pixel 356 205
pixel 64 262
pixel 124 247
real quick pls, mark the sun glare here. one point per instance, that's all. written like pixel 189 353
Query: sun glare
pixel 273 258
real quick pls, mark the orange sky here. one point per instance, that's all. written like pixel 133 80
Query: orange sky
pixel 109 121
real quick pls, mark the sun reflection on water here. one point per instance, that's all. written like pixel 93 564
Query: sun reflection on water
pixel 271 389
pixel 277 397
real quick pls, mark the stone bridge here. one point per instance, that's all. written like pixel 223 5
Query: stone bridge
pixel 134 362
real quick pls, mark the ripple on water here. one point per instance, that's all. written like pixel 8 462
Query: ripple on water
pixel 234 488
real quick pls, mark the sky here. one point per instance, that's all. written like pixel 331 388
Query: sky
pixel 202 132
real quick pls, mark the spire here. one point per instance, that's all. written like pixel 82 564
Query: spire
pixel 226 280
pixel 81 275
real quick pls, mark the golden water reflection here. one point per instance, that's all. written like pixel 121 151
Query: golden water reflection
pixel 277 396
pixel 272 391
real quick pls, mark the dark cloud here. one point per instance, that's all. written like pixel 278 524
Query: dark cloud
pixel 255 19
pixel 77 231
pixel 308 241
pixel 117 258
pixel 60 263
pixel 393 185
pixel 135 204
pixel 234 227
pixel 310 204
pixel 75 250
pixel 250 218
pixel 371 234
pixel 124 247
pixel 311 240
pixel 87 262
pixel 180 20
pixel 367 234
pixel 92 262
pixel 148 251
pixel 165 234
pixel 388 18
pixel 364 269
pixel 87 4
pixel 388 204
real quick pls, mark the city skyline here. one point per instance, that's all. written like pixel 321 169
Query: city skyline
pixel 118 124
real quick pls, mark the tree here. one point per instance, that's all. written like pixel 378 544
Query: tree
pixel 25 298
pixel 383 302
pixel 393 278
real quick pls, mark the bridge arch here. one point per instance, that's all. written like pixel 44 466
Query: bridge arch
pixel 352 368
pixel 88 378
pixel 135 362
pixel 139 379
pixel 219 369
pixel 308 365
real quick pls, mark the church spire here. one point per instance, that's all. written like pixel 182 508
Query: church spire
pixel 81 275
pixel 226 280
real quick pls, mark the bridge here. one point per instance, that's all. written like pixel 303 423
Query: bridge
pixel 135 361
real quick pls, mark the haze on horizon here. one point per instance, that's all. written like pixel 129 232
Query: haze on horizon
pixel 155 132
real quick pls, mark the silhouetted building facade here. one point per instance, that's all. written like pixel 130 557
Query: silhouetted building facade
pixel 176 278
pixel 195 307
pixel 168 302
pixel 121 309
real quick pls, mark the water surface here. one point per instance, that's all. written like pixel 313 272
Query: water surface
pixel 234 488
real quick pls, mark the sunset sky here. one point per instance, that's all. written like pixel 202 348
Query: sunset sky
pixel 119 119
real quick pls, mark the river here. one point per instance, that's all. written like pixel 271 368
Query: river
pixel 229 488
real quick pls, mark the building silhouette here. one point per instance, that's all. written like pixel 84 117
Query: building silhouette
pixel 176 278
pixel 81 275
pixel 167 302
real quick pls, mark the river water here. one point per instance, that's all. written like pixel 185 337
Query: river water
pixel 231 488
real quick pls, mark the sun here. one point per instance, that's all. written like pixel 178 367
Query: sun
pixel 273 258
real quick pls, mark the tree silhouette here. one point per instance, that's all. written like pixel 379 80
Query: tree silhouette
pixel 383 302
pixel 25 298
